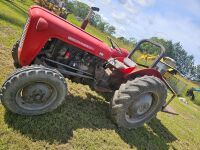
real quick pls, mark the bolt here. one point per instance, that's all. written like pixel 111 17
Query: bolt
pixel 37 97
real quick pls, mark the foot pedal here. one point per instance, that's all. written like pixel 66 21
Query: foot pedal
pixel 169 110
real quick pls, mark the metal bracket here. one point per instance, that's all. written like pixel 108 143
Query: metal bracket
pixel 165 108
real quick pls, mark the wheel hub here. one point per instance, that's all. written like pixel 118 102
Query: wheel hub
pixel 144 104
pixel 35 96
pixel 36 93
pixel 139 107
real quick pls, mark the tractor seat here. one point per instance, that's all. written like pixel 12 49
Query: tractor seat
pixel 117 64
pixel 129 62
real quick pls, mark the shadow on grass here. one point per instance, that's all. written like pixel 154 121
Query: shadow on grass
pixel 16 8
pixel 12 20
pixel 76 113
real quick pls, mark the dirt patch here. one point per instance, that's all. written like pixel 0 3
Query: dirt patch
pixel 1 47
pixel 7 31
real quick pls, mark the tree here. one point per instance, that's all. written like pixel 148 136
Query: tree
pixel 133 40
pixel 79 9
pixel 102 26
pixel 124 40
pixel 95 20
pixel 70 6
pixel 111 30
pixel 167 44
pixel 198 72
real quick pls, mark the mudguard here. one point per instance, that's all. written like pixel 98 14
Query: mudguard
pixel 138 73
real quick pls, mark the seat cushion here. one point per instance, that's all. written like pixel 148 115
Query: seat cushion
pixel 129 62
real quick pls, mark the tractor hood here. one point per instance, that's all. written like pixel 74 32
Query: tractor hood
pixel 43 25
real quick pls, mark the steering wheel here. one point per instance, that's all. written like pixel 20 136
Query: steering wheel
pixel 114 45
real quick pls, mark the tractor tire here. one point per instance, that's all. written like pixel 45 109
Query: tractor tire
pixel 15 55
pixel 137 101
pixel 33 90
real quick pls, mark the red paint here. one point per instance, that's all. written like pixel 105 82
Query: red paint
pixel 119 53
pixel 42 25
pixel 127 70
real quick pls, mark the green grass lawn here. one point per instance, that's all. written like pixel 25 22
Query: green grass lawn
pixel 82 122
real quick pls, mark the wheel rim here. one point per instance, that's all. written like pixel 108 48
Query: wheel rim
pixel 140 109
pixel 36 95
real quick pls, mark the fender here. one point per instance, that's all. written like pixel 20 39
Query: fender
pixel 143 72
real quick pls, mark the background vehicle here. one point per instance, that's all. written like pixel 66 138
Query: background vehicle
pixel 56 6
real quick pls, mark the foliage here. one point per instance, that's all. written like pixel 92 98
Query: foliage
pixel 198 71
pixel 102 26
pixel 79 9
pixel 96 20
pixel 131 41
pixel 111 30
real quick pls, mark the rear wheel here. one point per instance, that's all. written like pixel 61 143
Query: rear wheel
pixel 137 101
pixel 33 90
pixel 15 55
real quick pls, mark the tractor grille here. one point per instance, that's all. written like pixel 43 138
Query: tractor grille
pixel 24 33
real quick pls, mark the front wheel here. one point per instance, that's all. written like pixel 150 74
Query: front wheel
pixel 33 90
pixel 137 101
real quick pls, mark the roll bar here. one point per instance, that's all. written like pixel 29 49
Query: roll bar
pixel 152 42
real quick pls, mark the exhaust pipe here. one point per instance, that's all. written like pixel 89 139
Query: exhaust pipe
pixel 88 17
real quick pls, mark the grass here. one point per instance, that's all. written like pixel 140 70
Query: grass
pixel 82 122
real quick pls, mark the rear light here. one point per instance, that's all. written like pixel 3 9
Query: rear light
pixel 24 33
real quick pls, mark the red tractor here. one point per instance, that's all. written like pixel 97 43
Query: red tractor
pixel 52 49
